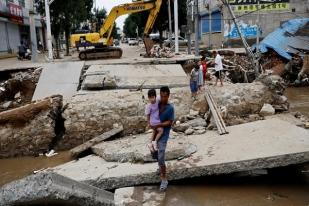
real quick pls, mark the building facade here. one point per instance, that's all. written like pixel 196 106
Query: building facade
pixel 14 25
pixel 272 14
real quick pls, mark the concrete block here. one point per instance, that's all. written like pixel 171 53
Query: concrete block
pixel 133 76
pixel 134 149
pixel 45 187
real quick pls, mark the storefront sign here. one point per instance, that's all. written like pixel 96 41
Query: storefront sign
pixel 252 5
pixel 16 13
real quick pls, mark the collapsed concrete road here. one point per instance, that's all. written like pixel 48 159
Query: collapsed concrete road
pixel 99 77
pixel 45 188
pixel 262 144
pixel 92 113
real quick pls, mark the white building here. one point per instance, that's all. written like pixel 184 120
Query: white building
pixel 14 25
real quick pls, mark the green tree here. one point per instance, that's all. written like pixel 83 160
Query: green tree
pixel 65 16
pixel 99 16
pixel 133 21
pixel 161 23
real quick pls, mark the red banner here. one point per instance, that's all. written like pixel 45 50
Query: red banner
pixel 16 13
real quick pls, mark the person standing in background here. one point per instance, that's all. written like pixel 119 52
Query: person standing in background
pixel 218 67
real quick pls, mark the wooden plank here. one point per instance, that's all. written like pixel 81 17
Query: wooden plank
pixel 216 113
pixel 87 145
pixel 219 113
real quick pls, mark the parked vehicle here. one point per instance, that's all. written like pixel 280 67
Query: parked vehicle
pixel 116 42
pixel 182 41
pixel 124 40
pixel 133 41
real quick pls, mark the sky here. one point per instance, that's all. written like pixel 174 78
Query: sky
pixel 109 4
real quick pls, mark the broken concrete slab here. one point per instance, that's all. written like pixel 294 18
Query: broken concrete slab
pixel 256 145
pixel 75 152
pixel 28 130
pixel 267 110
pixel 133 76
pixel 143 61
pixel 91 113
pixel 59 78
pixel 45 187
pixel 141 195
pixel 134 149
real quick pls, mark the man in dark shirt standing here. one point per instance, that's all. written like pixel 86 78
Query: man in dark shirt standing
pixel 167 118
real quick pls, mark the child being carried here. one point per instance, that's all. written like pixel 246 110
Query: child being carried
pixel 152 112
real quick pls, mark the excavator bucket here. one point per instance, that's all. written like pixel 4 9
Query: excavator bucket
pixel 148 45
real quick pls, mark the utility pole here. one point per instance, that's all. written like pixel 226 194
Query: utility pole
pixel 48 34
pixel 169 21
pixel 253 58
pixel 196 45
pixel 176 25
pixel 189 24
pixel 210 24
pixel 34 46
pixel 258 40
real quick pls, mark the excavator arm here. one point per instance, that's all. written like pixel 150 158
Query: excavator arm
pixel 152 17
pixel 149 25
pixel 135 7
pixel 105 50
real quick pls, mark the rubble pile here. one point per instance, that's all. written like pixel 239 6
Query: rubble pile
pixel 240 68
pixel 191 124
pixel 158 52
pixel 17 90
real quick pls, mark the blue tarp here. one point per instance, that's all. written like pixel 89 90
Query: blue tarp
pixel 283 39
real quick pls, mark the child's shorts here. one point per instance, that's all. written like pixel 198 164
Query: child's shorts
pixel 193 86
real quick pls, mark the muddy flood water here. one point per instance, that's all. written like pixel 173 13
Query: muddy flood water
pixel 281 187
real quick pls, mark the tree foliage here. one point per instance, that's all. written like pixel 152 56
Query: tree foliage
pixel 138 19
pixel 99 16
pixel 66 16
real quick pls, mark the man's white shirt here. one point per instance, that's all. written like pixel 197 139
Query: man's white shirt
pixel 218 63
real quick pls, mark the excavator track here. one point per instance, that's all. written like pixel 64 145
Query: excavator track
pixel 101 53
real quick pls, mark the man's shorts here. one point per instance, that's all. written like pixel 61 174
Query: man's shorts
pixel 218 74
pixel 193 86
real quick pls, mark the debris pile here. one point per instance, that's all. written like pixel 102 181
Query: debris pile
pixel 17 90
pixel 190 124
pixel 158 52
pixel 285 51
pixel 240 68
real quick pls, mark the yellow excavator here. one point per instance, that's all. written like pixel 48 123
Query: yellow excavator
pixel 104 49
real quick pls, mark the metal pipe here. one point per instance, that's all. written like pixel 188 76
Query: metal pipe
pixel 196 45
pixel 176 25
pixel 169 21
pixel 34 46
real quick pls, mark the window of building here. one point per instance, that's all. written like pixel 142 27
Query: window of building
pixel 21 3
pixel 215 22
